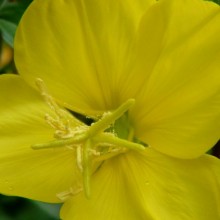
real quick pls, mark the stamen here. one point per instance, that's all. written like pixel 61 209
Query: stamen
pixel 109 118
pixel 63 196
pixel 92 131
pixel 86 168
pixel 111 139
pixel 61 123
pixel 109 155
pixel 78 139
pixel 88 141
pixel 48 98
pixel 79 157
pixel 94 152
pixel 131 134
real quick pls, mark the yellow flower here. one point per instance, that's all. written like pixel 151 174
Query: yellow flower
pixel 96 57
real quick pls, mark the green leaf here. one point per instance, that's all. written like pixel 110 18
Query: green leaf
pixel 10 14
pixel 8 29
pixel 216 1
pixel 51 209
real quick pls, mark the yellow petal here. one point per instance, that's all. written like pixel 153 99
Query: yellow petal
pixel 78 48
pixel 177 57
pixel 151 186
pixel 26 172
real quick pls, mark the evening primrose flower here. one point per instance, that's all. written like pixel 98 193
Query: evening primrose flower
pixel 147 74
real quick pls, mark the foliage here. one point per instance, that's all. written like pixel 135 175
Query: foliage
pixel 10 14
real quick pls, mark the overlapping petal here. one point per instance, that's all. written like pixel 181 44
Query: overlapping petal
pixel 177 57
pixel 78 48
pixel 150 186
pixel 26 172
pixel 173 74
pixel 83 53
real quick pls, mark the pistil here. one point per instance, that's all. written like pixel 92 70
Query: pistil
pixel 95 142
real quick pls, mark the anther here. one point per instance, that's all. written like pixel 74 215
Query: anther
pixel 61 123
pixel 45 94
pixel 86 168
pixel 89 142
pixel 63 196
pixel 79 158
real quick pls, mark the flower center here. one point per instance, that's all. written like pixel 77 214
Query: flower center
pixel 107 137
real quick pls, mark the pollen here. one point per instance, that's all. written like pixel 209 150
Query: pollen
pixel 61 119
pixel 100 141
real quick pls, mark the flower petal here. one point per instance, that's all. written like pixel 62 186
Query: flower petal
pixel 35 174
pixel 78 48
pixel 178 105
pixel 150 186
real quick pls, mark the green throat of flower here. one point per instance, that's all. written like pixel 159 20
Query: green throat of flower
pixel 107 137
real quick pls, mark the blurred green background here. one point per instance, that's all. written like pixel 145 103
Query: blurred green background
pixel 14 208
